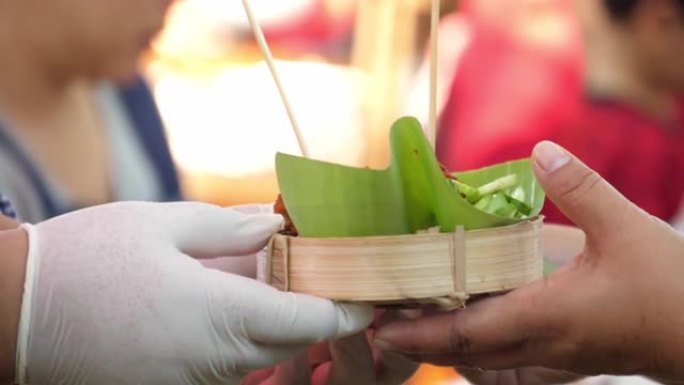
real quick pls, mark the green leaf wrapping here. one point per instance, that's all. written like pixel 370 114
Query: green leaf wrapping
pixel 329 200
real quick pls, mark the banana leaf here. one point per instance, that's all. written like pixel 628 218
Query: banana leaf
pixel 412 194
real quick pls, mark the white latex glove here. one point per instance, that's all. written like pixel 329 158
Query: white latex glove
pixel 116 298
pixel 255 208
pixel 246 265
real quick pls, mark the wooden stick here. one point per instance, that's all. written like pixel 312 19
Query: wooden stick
pixel 434 64
pixel 263 45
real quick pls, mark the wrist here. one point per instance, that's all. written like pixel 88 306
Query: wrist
pixel 13 254
pixel 7 223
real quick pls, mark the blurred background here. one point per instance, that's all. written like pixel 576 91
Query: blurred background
pixel 349 67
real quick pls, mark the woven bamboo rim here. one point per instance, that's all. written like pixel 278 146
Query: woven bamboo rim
pixel 444 269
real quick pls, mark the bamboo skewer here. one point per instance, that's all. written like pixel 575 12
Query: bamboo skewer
pixel 434 65
pixel 266 51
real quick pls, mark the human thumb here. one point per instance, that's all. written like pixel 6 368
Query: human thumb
pixel 580 193
pixel 206 231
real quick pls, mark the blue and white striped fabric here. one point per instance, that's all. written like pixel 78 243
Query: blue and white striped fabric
pixel 6 208
pixel 142 168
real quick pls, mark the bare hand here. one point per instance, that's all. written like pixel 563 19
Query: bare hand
pixel 522 376
pixel 617 308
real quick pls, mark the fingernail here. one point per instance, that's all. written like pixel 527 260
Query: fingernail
pixel 550 156
pixel 383 345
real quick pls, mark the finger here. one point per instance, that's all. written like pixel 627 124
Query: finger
pixel 275 324
pixel 245 266
pixel 301 319
pixel 583 196
pixel 549 376
pixel 562 243
pixel 294 372
pixel 321 373
pixel 393 315
pixel 260 356
pixel 527 353
pixel 319 353
pixel 484 361
pixel 492 324
pixel 352 361
pixel 395 368
pixel 256 208
pixel 522 376
pixel 478 376
pixel 272 317
pixel 259 377
pixel 207 231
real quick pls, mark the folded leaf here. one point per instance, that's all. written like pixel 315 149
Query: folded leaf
pixel 412 194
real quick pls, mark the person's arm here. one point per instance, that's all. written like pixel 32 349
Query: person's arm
pixel 7 223
pixel 13 251
pixel 127 280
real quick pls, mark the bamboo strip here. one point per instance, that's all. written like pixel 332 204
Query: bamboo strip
pixel 434 66
pixel 438 268
pixel 268 57
pixel 457 244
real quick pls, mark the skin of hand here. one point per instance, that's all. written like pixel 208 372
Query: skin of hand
pixel 349 360
pixel 617 308
pixel 562 243
pixel 119 296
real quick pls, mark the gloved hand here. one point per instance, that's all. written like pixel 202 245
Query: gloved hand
pixel 115 296
pixel 349 360
pixel 246 265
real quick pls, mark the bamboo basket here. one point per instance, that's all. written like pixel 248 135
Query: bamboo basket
pixel 429 268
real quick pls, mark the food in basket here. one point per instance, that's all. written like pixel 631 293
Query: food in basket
pixel 413 194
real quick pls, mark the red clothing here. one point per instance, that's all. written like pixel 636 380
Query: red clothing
pixel 641 157
pixel 314 27
pixel 503 92
pixel 507 96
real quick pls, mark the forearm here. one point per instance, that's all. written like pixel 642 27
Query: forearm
pixel 13 251
pixel 7 223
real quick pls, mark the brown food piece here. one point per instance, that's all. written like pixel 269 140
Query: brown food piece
pixel 279 208
pixel 450 177
pixel 446 172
